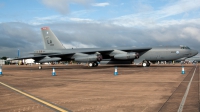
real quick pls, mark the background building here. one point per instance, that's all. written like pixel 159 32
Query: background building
pixel 2 62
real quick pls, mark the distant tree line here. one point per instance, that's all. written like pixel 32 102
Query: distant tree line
pixel 4 58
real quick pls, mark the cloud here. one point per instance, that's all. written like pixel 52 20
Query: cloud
pixel 43 20
pixel 181 6
pixel 146 16
pixel 78 45
pixel 62 6
pixel 153 18
pixel 100 4
pixel 81 20
pixel 103 34
pixel 191 32
pixel 147 28
pixel 15 35
pixel 58 18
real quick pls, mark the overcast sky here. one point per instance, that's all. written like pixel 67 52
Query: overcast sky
pixel 98 23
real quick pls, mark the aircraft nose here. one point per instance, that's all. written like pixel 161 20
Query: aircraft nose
pixel 194 52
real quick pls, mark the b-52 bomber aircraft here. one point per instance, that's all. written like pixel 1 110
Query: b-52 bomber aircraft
pixel 55 51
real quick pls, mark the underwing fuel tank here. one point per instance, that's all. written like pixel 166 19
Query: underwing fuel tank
pixel 89 58
pixel 125 56
pixel 48 59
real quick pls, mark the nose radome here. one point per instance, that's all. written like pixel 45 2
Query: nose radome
pixel 194 52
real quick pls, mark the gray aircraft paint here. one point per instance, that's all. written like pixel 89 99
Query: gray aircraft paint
pixel 49 40
pixel 166 53
pixel 54 49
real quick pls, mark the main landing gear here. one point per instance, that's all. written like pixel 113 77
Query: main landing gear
pixel 146 64
pixel 40 67
pixel 93 64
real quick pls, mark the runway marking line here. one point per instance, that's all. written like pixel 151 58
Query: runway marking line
pixel 34 98
pixel 186 93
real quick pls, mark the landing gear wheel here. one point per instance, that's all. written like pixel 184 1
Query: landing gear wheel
pixel 144 64
pixel 95 64
pixel 40 67
pixel 148 64
pixel 90 64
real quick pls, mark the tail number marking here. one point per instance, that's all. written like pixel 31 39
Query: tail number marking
pixel 50 42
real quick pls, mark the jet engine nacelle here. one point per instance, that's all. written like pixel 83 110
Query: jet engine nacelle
pixel 48 59
pixel 125 56
pixel 89 58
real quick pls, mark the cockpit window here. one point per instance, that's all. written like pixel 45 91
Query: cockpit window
pixel 188 48
pixel 185 47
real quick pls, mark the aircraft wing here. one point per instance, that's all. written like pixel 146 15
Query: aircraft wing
pixel 107 50
pixel 100 50
pixel 134 49
pixel 60 56
pixel 29 57
pixel 42 56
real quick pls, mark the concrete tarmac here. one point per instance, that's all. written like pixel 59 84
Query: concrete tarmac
pixel 80 88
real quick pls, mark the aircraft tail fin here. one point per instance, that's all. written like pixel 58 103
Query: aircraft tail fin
pixel 50 40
